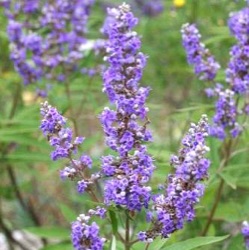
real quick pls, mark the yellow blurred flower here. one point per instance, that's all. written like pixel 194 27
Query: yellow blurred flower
pixel 179 3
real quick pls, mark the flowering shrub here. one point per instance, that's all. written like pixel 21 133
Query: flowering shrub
pixel 125 128
pixel 126 198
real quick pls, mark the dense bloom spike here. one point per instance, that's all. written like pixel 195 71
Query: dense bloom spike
pixel 53 125
pixel 85 236
pixel 239 25
pixel 198 55
pixel 48 42
pixel 226 114
pixel 245 232
pixel 184 188
pixel 125 127
pixel 237 73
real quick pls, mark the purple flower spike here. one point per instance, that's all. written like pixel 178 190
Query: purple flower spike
pixel 53 126
pixel 239 25
pixel 48 41
pixel 125 127
pixel 205 65
pixel 245 232
pixel 85 235
pixel 184 188
pixel 237 73
pixel 225 116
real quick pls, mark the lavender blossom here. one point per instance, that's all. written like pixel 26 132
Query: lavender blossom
pixel 85 235
pixel 245 232
pixel 227 108
pixel 184 188
pixel 125 127
pixel 47 43
pixel 226 114
pixel 205 65
pixel 150 8
pixel 239 25
pixel 237 73
pixel 53 126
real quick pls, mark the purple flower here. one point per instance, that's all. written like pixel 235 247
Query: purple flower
pixel 150 8
pixel 125 127
pixel 99 211
pixel 184 188
pixel 239 25
pixel 48 42
pixel 53 125
pixel 85 235
pixel 198 55
pixel 245 232
pixel 225 116
pixel 237 71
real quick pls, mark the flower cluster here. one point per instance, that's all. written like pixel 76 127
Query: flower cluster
pixel 198 55
pixel 184 188
pixel 245 232
pixel 128 171
pixel 46 37
pixel 53 125
pixel 228 105
pixel 125 127
pixel 237 76
pixel 237 73
pixel 150 8
pixel 85 235
pixel 226 113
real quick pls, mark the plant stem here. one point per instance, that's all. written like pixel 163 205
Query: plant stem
pixel 11 173
pixel 70 108
pixel 127 232
pixel 147 246
pixel 227 154
pixel 19 196
pixel 215 205
pixel 194 6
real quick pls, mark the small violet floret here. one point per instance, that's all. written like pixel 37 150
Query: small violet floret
pixel 245 233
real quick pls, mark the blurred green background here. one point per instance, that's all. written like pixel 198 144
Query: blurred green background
pixel 32 196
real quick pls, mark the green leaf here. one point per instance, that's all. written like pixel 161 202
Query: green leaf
pixel 216 39
pixel 14 130
pixel 230 211
pixel 67 212
pixel 59 246
pixel 229 180
pixel 50 232
pixel 158 244
pixel 27 157
pixel 114 221
pixel 195 242
pixel 113 243
pixel 24 139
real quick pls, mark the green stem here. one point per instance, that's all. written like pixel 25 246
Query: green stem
pixel 215 205
pixel 11 173
pixel 147 246
pixel 70 108
pixel 194 11
pixel 127 232
pixel 227 156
